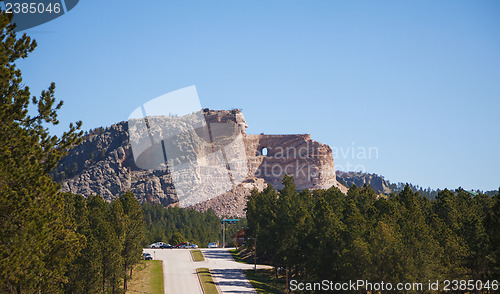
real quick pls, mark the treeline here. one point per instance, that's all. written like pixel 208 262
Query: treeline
pixel 426 192
pixel 325 234
pixel 112 234
pixel 185 225
pixel 51 242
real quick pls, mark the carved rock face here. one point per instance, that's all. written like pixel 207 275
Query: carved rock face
pixel 104 164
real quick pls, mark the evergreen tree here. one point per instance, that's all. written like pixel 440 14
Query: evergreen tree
pixel 37 239
pixel 177 238
pixel 493 230
pixel 114 259
pixel 134 234
pixel 83 273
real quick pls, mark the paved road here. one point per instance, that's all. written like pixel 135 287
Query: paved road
pixel 227 273
pixel 179 271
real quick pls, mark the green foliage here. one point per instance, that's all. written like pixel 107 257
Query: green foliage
pixel 107 227
pixel 177 238
pixel 493 231
pixel 188 225
pixel 407 237
pixel 134 233
pixel 38 240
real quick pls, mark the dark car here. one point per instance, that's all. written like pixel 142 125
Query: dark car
pixel 147 256
pixel 168 246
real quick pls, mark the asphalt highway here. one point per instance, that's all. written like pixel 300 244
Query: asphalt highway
pixel 179 271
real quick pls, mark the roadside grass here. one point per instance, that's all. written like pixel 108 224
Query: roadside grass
pixel 242 255
pixel 206 281
pixel 197 255
pixel 147 278
pixel 264 281
pixel 156 280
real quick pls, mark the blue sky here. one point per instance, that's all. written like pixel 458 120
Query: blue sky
pixel 417 81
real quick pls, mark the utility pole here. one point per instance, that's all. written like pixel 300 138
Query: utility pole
pixel 223 234
pixel 255 253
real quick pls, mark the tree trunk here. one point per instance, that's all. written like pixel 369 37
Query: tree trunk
pixel 125 277
pixel 255 254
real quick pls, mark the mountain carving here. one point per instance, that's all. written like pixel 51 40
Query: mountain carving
pixel 104 164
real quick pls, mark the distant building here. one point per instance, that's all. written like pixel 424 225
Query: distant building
pixel 239 237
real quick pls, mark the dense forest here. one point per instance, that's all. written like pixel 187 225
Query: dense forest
pixel 53 242
pixel 111 244
pixel 406 237
pixel 188 225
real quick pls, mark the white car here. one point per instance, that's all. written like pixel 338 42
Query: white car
pixel 213 245
pixel 157 245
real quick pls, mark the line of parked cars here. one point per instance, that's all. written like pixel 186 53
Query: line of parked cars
pixel 163 245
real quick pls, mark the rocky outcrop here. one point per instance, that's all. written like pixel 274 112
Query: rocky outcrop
pixel 104 163
pixel 378 183
pixel 233 202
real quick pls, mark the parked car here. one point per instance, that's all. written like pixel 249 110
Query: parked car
pixel 157 245
pixel 147 256
pixel 168 246
pixel 182 245
pixel 213 245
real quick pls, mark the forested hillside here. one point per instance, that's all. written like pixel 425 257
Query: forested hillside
pixel 325 234
pixel 186 224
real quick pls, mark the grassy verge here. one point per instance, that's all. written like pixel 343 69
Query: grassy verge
pixel 242 255
pixel 264 281
pixel 206 281
pixel 147 278
pixel 197 255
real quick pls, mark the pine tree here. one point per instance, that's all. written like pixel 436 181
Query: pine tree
pixel 177 238
pixel 37 238
pixel 134 234
pixel 113 257
pixel 493 229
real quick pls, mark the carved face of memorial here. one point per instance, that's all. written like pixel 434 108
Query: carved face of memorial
pixel 204 159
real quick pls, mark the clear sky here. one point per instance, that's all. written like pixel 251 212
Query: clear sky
pixel 412 87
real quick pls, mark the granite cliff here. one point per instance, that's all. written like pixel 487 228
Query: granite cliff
pixel 104 163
